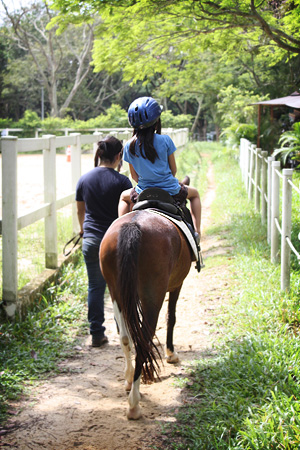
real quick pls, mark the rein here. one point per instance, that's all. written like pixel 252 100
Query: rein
pixel 76 239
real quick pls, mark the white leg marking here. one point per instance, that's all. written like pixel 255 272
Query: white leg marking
pixel 171 357
pixel 134 410
pixel 126 345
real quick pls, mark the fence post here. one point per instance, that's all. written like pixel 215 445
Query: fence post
pixel 247 164
pixel 76 173
pixel 251 172
pixel 275 212
pixel 257 178
pixel 95 144
pixel 51 257
pixel 243 152
pixel 270 160
pixel 9 225
pixel 242 146
pixel 286 228
pixel 264 187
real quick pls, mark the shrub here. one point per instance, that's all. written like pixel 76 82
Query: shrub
pixel 54 123
pixel 290 145
pixel 232 135
pixel 115 117
pixel 5 123
pixel 29 121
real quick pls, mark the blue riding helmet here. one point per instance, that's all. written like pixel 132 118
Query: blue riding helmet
pixel 143 112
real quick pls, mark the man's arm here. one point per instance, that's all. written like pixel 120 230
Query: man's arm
pixel 81 215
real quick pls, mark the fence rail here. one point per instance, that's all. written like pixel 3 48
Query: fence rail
pixel 12 222
pixel 174 133
pixel 265 182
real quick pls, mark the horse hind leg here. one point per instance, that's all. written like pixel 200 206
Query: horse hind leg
pixel 126 346
pixel 134 410
pixel 171 356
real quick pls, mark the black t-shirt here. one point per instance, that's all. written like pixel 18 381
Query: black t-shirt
pixel 100 190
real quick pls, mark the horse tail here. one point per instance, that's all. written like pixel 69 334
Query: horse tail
pixel 147 353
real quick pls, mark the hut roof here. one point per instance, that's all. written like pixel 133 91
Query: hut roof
pixel 293 101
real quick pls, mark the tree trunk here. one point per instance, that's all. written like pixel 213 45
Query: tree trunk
pixel 83 59
pixel 165 104
pixel 218 132
pixel 194 126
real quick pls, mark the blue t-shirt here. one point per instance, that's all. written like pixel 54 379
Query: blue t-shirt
pixel 157 174
pixel 100 189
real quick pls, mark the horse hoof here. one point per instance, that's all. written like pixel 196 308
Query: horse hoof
pixel 134 413
pixel 127 386
pixel 172 359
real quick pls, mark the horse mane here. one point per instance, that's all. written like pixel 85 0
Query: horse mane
pixel 129 241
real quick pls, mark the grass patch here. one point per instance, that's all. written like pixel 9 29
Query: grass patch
pixel 190 162
pixel 31 348
pixel 248 396
pixel 215 261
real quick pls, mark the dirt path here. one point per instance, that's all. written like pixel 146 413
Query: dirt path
pixel 85 408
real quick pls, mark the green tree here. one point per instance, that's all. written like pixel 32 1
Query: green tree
pixel 196 82
pixel 149 25
pixel 61 63
pixel 3 66
pixel 23 77
pixel 193 49
pixel 236 106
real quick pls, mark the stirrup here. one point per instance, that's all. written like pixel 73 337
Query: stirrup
pixel 199 264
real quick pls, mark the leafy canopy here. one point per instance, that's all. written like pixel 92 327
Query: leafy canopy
pixel 144 37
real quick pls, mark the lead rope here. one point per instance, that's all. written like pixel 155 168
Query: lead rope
pixel 75 238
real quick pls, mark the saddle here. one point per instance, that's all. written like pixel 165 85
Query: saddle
pixel 159 199
pixel 163 203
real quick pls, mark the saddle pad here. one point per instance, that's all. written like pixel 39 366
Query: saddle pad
pixel 184 228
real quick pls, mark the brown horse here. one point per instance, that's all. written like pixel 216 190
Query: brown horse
pixel 143 256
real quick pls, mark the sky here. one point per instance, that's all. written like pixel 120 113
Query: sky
pixel 13 5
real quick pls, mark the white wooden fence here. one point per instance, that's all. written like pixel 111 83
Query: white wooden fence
pixel 12 222
pixel 261 175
